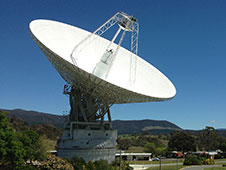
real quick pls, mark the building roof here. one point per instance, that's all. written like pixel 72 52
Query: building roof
pixel 133 154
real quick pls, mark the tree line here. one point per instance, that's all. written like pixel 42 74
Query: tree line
pixel 204 140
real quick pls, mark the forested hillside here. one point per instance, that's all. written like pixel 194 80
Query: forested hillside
pixel 123 126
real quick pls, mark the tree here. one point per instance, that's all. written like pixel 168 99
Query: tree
pixel 103 165
pixel 34 146
pixel 181 141
pixel 124 144
pixel 223 147
pixel 193 160
pixel 16 147
pixel 209 140
pixel 78 163
pixel 11 149
pixel 154 148
pixel 29 139
pixel 41 153
pixel 90 166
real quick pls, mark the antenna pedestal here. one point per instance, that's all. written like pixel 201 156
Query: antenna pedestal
pixel 96 86
pixel 86 134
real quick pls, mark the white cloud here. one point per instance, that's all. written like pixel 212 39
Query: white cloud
pixel 212 121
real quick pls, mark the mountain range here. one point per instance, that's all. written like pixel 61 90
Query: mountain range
pixel 123 126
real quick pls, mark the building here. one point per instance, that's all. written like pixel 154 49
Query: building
pixel 133 156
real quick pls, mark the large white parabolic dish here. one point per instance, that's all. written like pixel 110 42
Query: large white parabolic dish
pixel 57 41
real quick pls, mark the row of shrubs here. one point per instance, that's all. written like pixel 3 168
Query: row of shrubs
pixel 197 160
pixel 80 164
pixel 54 162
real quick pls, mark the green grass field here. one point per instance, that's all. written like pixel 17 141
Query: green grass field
pixel 164 161
pixel 167 161
pixel 173 167
pixel 216 168
pixel 220 159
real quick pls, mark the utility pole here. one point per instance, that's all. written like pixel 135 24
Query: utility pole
pixel 160 164
pixel 120 159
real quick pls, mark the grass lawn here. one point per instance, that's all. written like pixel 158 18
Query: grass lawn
pixel 220 159
pixel 164 161
pixel 173 167
pixel 167 161
pixel 216 168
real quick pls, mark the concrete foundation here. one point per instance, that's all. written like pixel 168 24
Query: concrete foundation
pixel 88 144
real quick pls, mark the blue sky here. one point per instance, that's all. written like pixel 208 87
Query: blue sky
pixel 185 39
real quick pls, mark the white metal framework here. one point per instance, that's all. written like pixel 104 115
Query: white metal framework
pixel 134 50
pixel 125 23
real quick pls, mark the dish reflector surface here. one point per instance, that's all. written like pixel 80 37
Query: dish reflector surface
pixel 57 41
